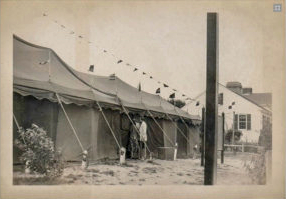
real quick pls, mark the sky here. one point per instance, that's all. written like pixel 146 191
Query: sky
pixel 166 39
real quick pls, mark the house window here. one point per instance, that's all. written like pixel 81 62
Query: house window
pixel 242 121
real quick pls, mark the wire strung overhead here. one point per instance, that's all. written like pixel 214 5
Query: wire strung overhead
pixel 118 60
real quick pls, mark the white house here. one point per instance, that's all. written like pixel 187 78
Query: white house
pixel 246 110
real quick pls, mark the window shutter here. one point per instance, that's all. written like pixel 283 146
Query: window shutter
pixel 235 122
pixel 220 99
pixel 248 122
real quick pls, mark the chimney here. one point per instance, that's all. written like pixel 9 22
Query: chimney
pixel 247 91
pixel 112 76
pixel 234 86
pixel 91 68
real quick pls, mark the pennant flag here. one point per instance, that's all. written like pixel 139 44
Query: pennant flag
pixel 158 90
pixel 165 85
pixel 151 77
pixel 144 73
pixel 172 95
pixel 72 32
pixel 119 61
pixel 139 86
pixel 198 103
pixel 135 69
pixel 91 68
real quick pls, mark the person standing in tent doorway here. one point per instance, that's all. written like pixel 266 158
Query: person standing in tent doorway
pixel 133 146
pixel 143 138
pixel 195 151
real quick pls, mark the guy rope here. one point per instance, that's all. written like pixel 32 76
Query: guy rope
pixel 159 125
pixel 73 129
pixel 182 119
pixel 176 126
pixel 18 126
pixel 100 109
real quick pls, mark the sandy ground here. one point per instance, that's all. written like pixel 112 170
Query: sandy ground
pixel 138 172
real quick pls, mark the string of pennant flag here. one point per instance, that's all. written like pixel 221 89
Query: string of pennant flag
pixel 120 61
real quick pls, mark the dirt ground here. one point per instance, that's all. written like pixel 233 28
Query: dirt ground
pixel 138 172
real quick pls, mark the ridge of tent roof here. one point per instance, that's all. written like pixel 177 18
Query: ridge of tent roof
pixel 109 87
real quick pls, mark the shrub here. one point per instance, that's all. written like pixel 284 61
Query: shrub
pixel 228 136
pixel 39 152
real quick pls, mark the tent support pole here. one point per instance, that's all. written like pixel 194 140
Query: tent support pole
pixel 73 129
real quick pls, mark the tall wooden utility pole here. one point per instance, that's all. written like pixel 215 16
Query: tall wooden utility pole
pixel 222 151
pixel 203 138
pixel 233 129
pixel 211 125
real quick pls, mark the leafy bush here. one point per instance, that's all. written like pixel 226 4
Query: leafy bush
pixel 39 152
pixel 228 136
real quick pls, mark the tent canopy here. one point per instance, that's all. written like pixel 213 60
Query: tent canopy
pixel 40 72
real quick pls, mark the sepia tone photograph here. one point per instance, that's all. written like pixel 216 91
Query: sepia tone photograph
pixel 142 96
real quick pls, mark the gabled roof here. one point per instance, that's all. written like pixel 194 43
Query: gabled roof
pixel 263 99
pixel 40 72
pixel 248 98
pixel 255 98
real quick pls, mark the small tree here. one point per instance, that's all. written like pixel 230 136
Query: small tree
pixel 265 138
pixel 178 103
pixel 39 153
